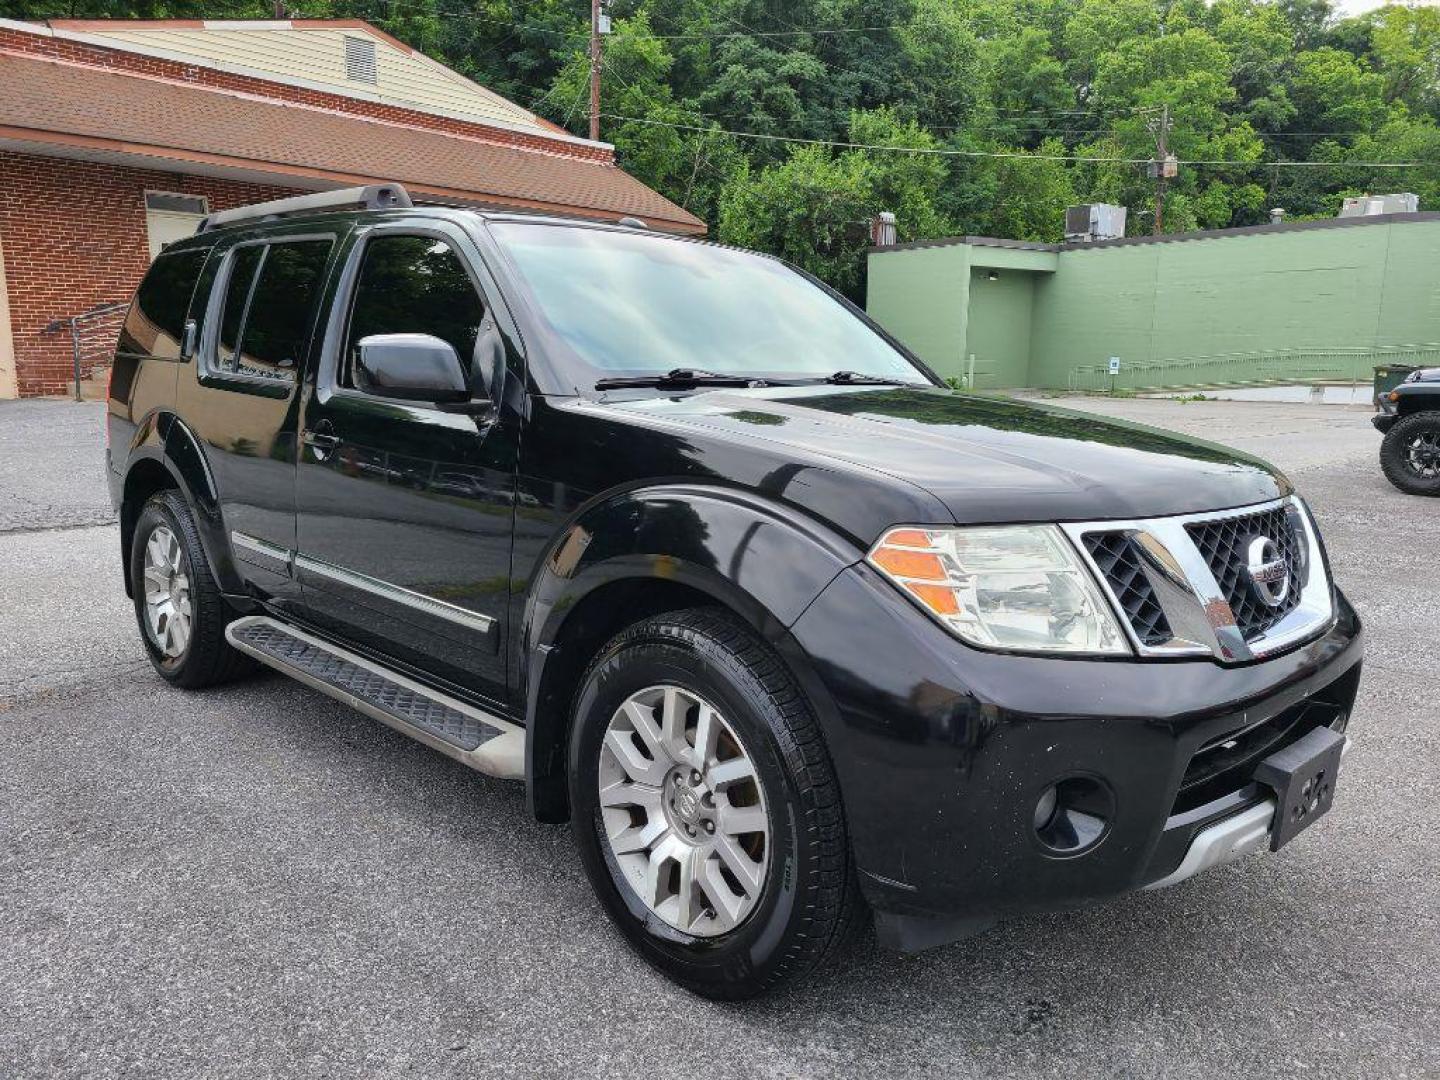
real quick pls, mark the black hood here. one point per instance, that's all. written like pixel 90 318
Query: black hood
pixel 986 459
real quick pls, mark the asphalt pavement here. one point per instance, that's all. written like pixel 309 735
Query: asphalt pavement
pixel 256 881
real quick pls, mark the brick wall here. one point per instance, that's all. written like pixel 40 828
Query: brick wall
pixel 77 52
pixel 73 236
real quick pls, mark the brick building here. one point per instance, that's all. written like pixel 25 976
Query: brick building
pixel 117 137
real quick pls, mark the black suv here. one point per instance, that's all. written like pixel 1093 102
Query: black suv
pixel 788 632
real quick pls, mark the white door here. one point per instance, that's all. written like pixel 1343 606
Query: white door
pixel 170 216
pixel 165 227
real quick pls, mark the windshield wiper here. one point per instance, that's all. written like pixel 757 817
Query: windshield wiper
pixel 678 378
pixel 855 378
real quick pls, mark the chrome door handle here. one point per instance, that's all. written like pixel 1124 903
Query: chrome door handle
pixel 321 439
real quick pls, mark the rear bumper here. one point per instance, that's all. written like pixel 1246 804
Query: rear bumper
pixel 944 752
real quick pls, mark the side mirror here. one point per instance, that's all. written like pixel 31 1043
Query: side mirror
pixel 412 367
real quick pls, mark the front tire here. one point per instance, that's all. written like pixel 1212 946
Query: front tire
pixel 178 605
pixel 1410 454
pixel 706 809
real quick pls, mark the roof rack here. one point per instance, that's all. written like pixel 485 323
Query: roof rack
pixel 369 197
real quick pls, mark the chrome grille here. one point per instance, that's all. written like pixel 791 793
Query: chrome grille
pixel 1119 563
pixel 1223 544
pixel 1182 584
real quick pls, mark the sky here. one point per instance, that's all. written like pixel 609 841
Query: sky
pixel 1359 7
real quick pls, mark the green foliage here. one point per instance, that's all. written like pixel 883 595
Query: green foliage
pixel 1017 92
pixel 809 209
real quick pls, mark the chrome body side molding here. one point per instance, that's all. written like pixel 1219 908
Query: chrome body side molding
pixel 396 594
pixel 262 553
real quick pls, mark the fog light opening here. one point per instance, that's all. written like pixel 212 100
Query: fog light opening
pixel 1045 808
pixel 1073 815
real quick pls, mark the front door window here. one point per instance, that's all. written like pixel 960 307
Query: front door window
pixel 413 285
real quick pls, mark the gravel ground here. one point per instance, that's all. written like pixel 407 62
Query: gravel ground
pixel 258 882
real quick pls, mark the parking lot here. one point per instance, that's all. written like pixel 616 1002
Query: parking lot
pixel 257 881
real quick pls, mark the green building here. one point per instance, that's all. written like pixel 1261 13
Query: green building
pixel 1312 301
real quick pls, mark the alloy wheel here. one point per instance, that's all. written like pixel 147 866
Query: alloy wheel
pixel 683 810
pixel 1423 455
pixel 167 593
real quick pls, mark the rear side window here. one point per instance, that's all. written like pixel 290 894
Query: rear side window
pixel 413 285
pixel 270 300
pixel 156 322
pixel 237 300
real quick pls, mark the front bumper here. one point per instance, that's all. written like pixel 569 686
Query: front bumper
pixel 943 752
pixel 1384 421
pixel 1226 840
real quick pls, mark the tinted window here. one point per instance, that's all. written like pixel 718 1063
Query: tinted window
pixel 156 321
pixel 237 298
pixel 627 301
pixel 277 328
pixel 413 285
pixel 270 299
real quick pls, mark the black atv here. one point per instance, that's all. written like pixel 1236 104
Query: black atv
pixel 1410 418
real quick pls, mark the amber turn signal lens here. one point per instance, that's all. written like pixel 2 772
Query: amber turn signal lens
pixel 938 598
pixel 910 564
pixel 909 538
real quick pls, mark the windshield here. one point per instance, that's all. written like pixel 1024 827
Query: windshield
pixel 636 304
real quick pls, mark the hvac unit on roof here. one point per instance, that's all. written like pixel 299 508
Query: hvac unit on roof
pixel 1094 221
pixel 1403 202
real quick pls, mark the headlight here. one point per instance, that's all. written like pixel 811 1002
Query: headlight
pixel 1019 587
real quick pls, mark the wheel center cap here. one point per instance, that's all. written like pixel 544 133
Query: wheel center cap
pixel 687 805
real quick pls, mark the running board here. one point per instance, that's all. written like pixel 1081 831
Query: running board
pixel 469 735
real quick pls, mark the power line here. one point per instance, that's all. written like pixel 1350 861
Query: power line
pixel 688 35
pixel 945 152
pixel 837 144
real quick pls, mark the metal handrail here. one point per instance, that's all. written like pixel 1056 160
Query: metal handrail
pixel 1258 368
pixel 74 324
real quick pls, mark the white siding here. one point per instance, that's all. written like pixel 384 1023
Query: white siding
pixel 318 57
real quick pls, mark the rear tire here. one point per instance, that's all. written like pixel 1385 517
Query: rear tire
pixel 1410 454
pixel 178 605
pixel 762 903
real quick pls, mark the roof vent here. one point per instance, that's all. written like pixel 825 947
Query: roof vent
pixel 360 60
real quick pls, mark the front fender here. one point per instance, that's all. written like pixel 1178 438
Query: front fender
pixel 766 563
pixel 733 547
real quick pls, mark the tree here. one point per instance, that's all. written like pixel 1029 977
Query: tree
pixel 1031 193
pixel 1406 45
pixel 1019 92
pixel 811 209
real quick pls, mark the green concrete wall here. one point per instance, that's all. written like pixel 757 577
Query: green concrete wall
pixel 923 299
pixel 998 327
pixel 1316 303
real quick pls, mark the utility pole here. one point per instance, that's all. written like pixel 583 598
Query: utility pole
pixel 595 70
pixel 1164 166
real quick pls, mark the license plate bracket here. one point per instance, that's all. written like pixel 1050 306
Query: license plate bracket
pixel 1303 776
